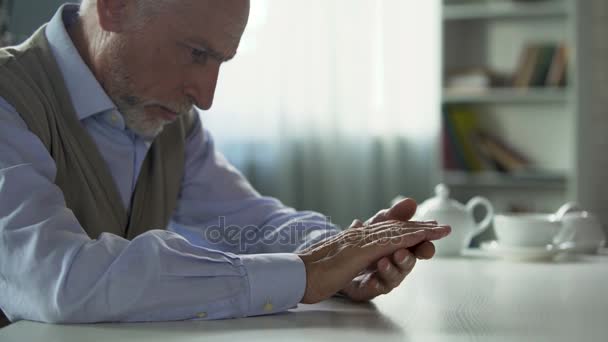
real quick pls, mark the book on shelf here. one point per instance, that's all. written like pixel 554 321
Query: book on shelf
pixel 469 147
pixel 541 65
pixel 525 68
pixel 558 72
pixel 503 156
pixel 453 159
pixel 463 124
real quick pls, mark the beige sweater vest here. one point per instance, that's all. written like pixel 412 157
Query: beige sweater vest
pixel 31 81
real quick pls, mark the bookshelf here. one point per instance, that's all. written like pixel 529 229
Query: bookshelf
pixel 537 120
pixel 497 180
pixel 508 96
pixel 478 10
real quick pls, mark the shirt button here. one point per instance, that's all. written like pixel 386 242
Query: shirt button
pixel 114 118
pixel 201 315
pixel 268 307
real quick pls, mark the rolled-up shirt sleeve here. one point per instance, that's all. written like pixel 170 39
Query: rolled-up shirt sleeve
pixel 51 271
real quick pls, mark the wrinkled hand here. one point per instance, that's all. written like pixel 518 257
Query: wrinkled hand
pixel 403 210
pixel 390 271
pixel 346 258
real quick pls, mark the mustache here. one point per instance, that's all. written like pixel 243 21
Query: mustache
pixel 178 107
pixel 183 107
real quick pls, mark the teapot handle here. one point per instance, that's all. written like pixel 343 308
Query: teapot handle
pixel 485 223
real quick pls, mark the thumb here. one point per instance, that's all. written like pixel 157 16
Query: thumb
pixel 403 210
pixel 356 224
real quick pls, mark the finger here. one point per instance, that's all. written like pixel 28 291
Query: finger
pixel 434 232
pixel 391 273
pixel 404 260
pixel 379 217
pixel 403 210
pixel 394 238
pixel 388 245
pixel 425 250
pixel 350 237
pixel 438 232
pixel 356 224
pixel 424 222
pixel 367 248
pixel 395 228
pixel 364 289
pixel 400 224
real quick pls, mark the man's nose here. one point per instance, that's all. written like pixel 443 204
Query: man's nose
pixel 201 85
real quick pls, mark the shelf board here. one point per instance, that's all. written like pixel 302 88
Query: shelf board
pixel 505 10
pixel 512 96
pixel 498 180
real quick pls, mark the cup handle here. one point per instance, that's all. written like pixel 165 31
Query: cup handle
pixel 485 223
pixel 566 208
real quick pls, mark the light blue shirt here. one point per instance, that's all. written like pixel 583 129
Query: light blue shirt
pixel 228 251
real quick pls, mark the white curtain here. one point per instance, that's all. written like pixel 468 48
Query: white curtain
pixel 333 105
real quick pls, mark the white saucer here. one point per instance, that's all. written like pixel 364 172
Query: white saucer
pixel 493 248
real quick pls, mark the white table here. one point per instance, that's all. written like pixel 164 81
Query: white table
pixel 443 300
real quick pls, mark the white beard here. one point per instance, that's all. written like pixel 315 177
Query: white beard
pixel 132 107
pixel 142 124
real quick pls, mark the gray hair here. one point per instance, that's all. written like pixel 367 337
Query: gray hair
pixel 146 8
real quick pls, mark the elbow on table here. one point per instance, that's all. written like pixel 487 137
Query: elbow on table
pixel 53 311
pixel 45 314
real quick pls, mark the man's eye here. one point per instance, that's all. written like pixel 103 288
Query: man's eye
pixel 199 56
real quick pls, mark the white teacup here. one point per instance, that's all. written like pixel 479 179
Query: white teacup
pixel 529 230
pixel 581 230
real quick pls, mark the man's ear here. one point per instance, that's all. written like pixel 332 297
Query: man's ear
pixel 114 15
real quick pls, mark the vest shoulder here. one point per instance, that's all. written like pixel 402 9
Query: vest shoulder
pixel 19 78
pixel 24 50
pixel 8 55
pixel 26 82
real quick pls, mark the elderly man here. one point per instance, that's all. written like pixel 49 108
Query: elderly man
pixel 114 204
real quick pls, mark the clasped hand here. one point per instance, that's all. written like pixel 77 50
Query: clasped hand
pixel 370 258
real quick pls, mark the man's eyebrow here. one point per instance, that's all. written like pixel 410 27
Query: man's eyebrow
pixel 213 53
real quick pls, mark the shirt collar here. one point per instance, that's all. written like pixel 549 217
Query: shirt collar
pixel 87 95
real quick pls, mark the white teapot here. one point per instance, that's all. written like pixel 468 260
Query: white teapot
pixel 460 217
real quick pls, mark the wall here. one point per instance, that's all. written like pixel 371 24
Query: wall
pixel 28 15
pixel 592 188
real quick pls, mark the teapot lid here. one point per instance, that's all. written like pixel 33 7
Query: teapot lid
pixel 441 201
